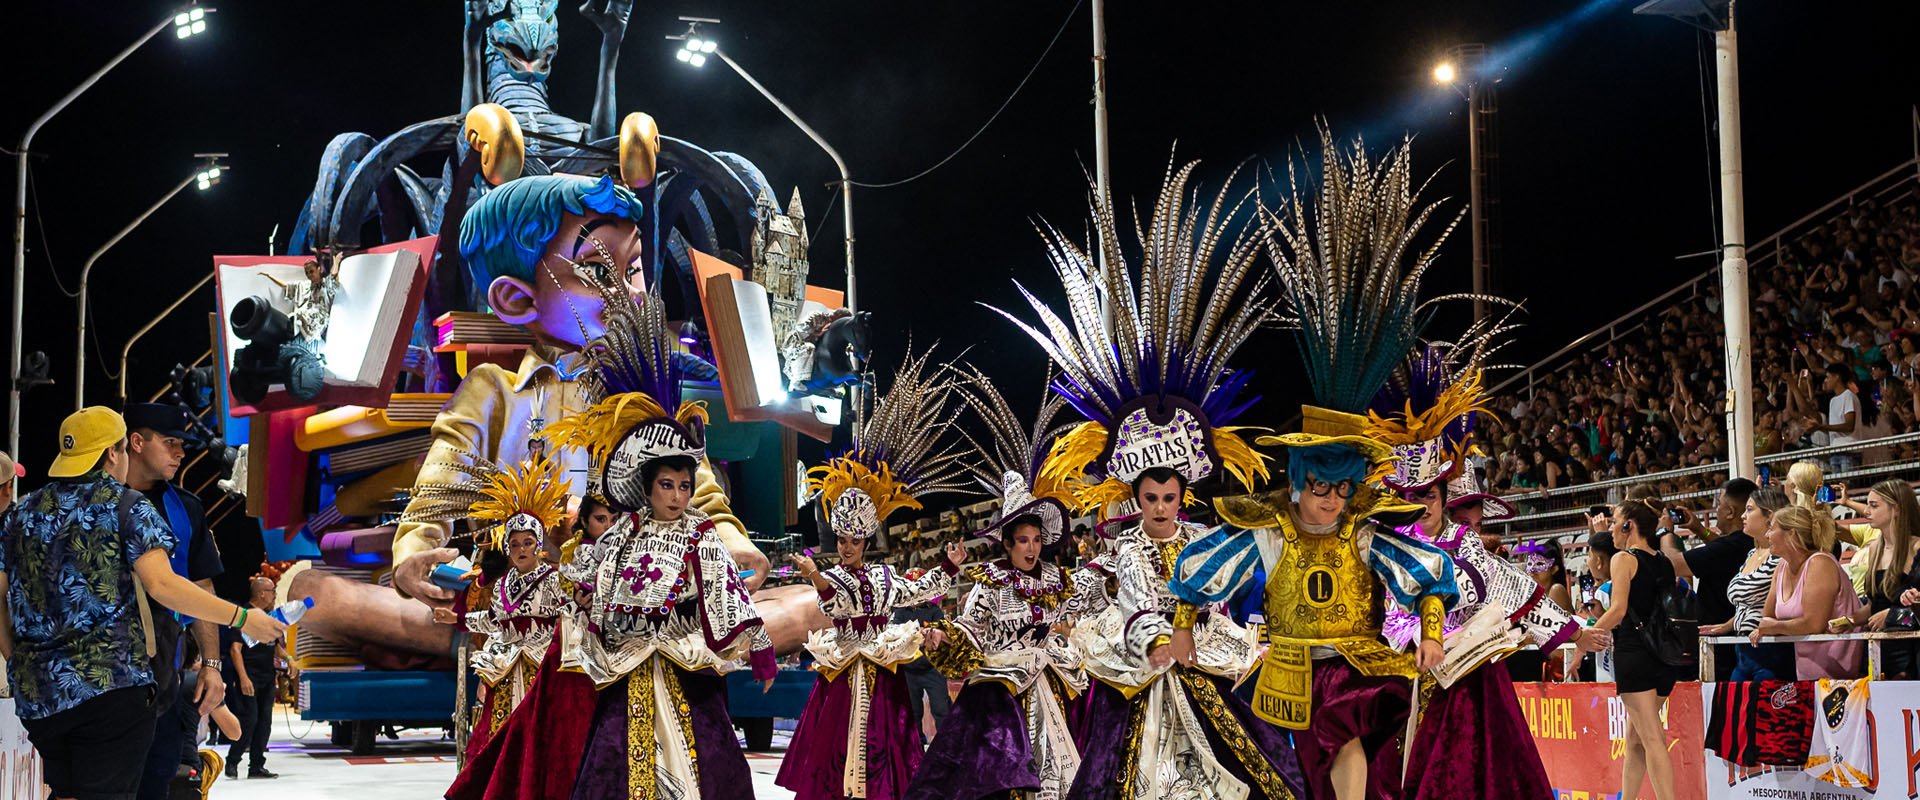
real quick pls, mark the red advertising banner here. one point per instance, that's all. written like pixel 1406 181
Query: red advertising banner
pixel 1569 720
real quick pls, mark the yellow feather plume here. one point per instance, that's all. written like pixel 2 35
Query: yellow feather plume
pixel 833 479
pixel 1408 427
pixel 1067 460
pixel 539 490
pixel 1240 459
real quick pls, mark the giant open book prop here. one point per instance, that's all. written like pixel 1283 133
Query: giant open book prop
pixel 746 348
pixel 371 322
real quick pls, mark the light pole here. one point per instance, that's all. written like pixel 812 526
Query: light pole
pixel 1717 16
pixel 204 176
pixel 1102 171
pixel 696 50
pixel 186 23
pixel 1463 71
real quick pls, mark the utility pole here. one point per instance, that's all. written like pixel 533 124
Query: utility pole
pixel 1718 16
pixel 1102 170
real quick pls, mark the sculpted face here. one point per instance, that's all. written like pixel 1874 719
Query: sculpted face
pixel 564 306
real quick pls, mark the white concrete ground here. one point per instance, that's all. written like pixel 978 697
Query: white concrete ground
pixel 417 766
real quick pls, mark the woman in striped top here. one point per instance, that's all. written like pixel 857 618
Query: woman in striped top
pixel 1748 592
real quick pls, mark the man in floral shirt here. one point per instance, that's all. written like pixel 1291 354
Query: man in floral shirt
pixel 75 643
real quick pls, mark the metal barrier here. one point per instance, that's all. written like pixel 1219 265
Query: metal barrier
pixel 1513 528
pixel 1875 667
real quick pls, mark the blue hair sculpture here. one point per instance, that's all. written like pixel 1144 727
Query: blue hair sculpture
pixel 503 235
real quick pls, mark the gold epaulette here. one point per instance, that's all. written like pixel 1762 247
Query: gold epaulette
pixel 1252 511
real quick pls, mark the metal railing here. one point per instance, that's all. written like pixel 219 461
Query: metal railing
pixel 1876 666
pixel 1891 186
pixel 1517 526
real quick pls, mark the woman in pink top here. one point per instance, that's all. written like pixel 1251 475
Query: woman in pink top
pixel 1809 590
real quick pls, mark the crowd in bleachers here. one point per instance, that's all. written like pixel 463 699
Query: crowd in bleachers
pixel 1835 325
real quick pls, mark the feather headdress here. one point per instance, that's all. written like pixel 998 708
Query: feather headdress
pixel 1146 362
pixel 1008 459
pixel 508 499
pixel 899 453
pixel 1350 264
pixel 1350 259
pixel 1350 273
pixel 636 370
pixel 1427 411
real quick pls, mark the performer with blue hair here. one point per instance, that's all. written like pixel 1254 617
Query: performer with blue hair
pixel 1328 675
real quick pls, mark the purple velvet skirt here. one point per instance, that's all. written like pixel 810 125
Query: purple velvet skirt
pixel 981 751
pixel 722 765
pixel 1474 742
pixel 816 761
pixel 1347 706
pixel 1104 753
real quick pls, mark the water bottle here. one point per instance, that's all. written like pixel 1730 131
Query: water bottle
pixel 289 612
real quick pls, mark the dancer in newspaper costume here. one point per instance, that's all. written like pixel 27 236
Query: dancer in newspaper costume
pixel 1472 739
pixel 1327 674
pixel 856 738
pixel 1008 733
pixel 518 506
pixel 1150 377
pixel 668 613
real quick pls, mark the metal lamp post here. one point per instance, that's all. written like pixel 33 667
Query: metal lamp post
pixel 1462 70
pixel 204 177
pixel 695 52
pixel 1718 16
pixel 186 23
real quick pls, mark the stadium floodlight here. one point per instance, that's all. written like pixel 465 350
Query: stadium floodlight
pixel 204 178
pixel 190 22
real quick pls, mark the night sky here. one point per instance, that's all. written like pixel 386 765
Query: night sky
pixel 1605 174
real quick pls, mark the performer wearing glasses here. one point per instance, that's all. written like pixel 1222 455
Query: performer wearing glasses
pixel 1330 550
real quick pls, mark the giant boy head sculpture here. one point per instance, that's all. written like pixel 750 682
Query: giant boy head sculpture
pixel 543 244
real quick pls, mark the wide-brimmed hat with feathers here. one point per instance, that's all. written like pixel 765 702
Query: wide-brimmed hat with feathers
pixel 901 451
pixel 1142 353
pixel 1008 458
pixel 642 417
pixel 1350 260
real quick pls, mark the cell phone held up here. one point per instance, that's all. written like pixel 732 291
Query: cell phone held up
pixel 1825 494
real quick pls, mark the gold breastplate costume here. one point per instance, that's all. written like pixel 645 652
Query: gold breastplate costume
pixel 1325 596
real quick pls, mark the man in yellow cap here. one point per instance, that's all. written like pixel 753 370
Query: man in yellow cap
pixel 76 558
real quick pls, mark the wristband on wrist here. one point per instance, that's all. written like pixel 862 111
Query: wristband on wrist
pixel 1433 615
pixel 242 621
pixel 1185 615
pixel 239 613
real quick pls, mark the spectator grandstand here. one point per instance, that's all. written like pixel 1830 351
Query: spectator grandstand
pixel 1835 325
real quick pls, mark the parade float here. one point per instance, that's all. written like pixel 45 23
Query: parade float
pixel 404 327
